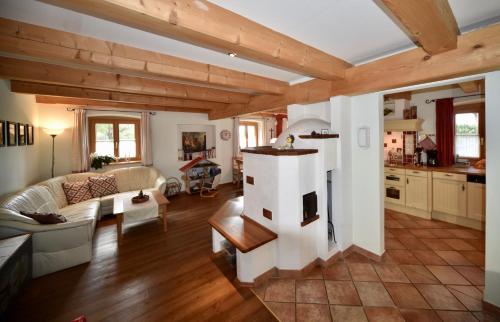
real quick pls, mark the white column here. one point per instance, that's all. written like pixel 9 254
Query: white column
pixel 342 175
pixel 367 173
pixel 492 267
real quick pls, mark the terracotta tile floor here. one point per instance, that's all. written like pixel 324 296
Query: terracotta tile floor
pixel 432 271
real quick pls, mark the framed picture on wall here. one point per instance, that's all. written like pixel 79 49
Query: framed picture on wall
pixel 11 134
pixel 2 133
pixel 30 134
pixel 21 134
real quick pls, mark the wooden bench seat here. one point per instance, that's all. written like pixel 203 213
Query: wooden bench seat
pixel 244 233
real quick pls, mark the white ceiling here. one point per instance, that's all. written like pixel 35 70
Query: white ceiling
pixel 354 30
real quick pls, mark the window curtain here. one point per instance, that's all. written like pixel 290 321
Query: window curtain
pixel 265 132
pixel 445 131
pixel 236 137
pixel 146 140
pixel 81 158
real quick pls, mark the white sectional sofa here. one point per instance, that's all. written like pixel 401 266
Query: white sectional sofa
pixel 63 245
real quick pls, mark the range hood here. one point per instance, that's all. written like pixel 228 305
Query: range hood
pixel 403 125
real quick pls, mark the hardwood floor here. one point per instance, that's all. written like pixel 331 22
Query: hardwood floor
pixel 151 276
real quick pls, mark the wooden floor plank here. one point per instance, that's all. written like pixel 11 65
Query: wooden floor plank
pixel 150 276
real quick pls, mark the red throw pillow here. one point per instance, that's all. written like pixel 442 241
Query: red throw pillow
pixel 101 186
pixel 45 219
pixel 76 191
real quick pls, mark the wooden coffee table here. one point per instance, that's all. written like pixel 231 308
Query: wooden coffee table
pixel 118 210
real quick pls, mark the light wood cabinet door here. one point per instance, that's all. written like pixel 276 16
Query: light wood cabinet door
pixel 450 197
pixel 476 200
pixel 416 192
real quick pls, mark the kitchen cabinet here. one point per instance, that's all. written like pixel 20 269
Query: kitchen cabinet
pixel 449 193
pixel 476 201
pixel 416 192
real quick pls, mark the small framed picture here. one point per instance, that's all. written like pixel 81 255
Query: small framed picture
pixel 11 133
pixel 21 134
pixel 2 133
pixel 325 131
pixel 30 134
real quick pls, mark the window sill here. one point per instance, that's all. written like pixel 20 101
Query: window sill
pixel 125 162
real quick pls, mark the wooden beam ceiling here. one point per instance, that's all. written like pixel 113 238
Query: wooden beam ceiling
pixel 205 24
pixel 396 96
pixel 58 46
pixel 99 104
pixel 16 69
pixel 476 52
pixel 472 86
pixel 101 95
pixel 429 23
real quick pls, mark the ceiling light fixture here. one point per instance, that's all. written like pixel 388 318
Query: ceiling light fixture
pixel 232 55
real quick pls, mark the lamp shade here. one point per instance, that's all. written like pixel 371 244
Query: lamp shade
pixel 53 131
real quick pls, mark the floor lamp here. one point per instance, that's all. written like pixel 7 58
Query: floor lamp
pixel 53 133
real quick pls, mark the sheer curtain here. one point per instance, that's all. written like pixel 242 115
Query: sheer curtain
pixel 146 140
pixel 265 132
pixel 81 158
pixel 236 137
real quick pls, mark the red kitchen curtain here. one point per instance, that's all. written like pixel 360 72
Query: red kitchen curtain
pixel 279 123
pixel 445 131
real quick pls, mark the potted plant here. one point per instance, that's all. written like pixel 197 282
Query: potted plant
pixel 97 161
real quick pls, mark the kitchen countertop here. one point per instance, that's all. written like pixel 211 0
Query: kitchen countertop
pixel 459 170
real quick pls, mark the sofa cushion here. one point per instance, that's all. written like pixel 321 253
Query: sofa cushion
pixel 55 188
pixel 45 218
pixel 88 209
pixel 76 191
pixel 102 186
pixel 33 199
pixel 133 178
pixel 75 177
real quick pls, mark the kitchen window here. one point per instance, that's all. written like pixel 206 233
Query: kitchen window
pixel 249 134
pixel 115 136
pixel 469 129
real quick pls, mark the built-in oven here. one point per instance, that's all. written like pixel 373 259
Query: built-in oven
pixel 395 186
pixel 389 177
pixel 395 194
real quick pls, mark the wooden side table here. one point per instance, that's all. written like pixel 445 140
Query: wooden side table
pixel 16 264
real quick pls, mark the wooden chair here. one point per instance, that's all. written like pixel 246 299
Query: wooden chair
pixel 208 189
pixel 237 170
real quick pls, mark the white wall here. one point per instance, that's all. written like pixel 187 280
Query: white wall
pixel 367 174
pixel 57 116
pixel 165 139
pixel 492 267
pixel 342 176
pixel 427 112
pixel 317 110
pixel 18 164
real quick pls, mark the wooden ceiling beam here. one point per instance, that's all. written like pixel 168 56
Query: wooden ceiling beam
pixel 57 46
pixel 429 23
pixel 476 52
pixel 470 87
pixel 99 104
pixel 16 69
pixel 396 96
pixel 208 25
pixel 101 95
